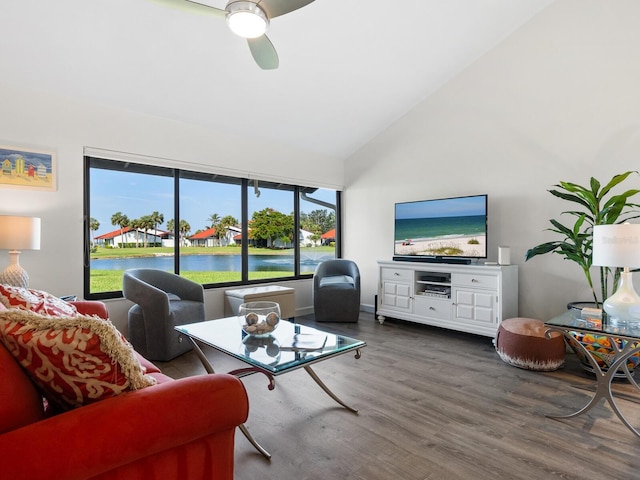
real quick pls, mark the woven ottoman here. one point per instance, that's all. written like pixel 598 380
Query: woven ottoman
pixel 521 342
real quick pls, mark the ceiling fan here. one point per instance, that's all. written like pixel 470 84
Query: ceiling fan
pixel 248 19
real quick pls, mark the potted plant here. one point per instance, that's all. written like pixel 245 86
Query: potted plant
pixel 596 205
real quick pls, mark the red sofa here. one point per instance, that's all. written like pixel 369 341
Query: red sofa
pixel 177 429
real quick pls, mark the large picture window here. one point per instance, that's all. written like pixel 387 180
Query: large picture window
pixel 213 229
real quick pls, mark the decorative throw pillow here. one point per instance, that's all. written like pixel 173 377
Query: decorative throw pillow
pixel 35 300
pixel 73 360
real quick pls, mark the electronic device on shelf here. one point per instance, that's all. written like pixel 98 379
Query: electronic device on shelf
pixel 444 278
pixel 446 230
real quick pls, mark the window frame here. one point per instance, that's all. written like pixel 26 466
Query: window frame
pixel 92 161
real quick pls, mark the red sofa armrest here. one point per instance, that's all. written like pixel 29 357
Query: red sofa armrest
pixel 97 438
pixel 91 307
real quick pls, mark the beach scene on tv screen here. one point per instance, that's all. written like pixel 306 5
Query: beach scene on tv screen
pixel 453 227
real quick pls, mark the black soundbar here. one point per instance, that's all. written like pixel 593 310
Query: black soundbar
pixel 447 260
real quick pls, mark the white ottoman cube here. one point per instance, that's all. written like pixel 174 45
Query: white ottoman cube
pixel 284 296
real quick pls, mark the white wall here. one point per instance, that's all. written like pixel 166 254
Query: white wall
pixel 558 100
pixel 42 120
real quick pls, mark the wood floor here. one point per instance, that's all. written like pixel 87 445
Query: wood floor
pixel 433 404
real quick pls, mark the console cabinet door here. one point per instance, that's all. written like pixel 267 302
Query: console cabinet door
pixel 397 290
pixel 475 306
pixel 397 295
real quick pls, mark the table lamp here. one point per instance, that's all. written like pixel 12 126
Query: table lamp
pixel 619 246
pixel 18 233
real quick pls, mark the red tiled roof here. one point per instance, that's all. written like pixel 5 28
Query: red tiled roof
pixel 115 233
pixel 330 234
pixel 208 233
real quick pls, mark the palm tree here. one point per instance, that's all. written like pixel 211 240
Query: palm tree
pixel 214 219
pixel 224 224
pixel 93 226
pixel 146 223
pixel 157 219
pixel 184 228
pixel 122 221
pixel 135 224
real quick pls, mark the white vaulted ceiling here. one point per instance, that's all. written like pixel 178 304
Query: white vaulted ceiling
pixel 348 68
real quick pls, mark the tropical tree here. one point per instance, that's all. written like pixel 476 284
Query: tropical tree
pixel 156 219
pixel 93 226
pixel 146 223
pixel 269 225
pixel 121 221
pixel 224 224
pixel 184 228
pixel 318 221
pixel 136 224
pixel 214 219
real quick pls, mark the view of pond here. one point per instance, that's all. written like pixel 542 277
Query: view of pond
pixel 220 263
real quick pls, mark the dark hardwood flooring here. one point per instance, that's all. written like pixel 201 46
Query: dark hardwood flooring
pixel 433 405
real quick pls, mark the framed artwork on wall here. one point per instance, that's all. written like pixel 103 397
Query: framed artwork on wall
pixel 27 168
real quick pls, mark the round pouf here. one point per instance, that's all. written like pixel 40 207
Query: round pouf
pixel 521 342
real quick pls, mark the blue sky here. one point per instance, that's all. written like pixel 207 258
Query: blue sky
pixel 449 207
pixel 136 195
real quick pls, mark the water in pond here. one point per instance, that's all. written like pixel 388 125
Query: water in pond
pixel 215 263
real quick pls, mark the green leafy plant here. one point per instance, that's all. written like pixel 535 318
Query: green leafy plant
pixel 597 206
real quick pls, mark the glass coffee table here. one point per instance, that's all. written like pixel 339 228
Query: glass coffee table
pixel 289 347
pixel 624 342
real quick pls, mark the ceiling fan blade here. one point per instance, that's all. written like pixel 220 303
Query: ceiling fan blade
pixel 275 8
pixel 264 53
pixel 191 7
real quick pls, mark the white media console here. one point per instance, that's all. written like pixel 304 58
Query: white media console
pixel 468 298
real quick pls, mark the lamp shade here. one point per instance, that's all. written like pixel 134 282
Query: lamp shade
pixel 19 233
pixel 246 19
pixel 616 245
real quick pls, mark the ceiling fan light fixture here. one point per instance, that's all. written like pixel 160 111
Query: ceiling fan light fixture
pixel 246 19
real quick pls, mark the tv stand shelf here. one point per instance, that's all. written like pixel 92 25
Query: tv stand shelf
pixel 468 298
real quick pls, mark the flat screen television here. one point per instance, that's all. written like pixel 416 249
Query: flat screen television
pixel 447 230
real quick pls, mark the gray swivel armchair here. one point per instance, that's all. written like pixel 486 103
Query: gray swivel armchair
pixel 163 300
pixel 336 291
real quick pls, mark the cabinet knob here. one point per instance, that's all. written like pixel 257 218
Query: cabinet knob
pixel 473 280
pixel 431 308
pixel 396 274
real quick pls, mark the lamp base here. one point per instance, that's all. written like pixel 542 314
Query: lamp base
pixel 14 274
pixel 624 305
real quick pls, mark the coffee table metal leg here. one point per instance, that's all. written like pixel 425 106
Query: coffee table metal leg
pixel 243 372
pixel 604 379
pixel 203 359
pixel 326 389
pixel 253 442
pixel 209 368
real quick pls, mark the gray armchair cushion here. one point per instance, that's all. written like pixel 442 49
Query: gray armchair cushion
pixel 163 300
pixel 336 291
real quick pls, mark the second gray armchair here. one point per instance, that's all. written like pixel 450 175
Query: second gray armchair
pixel 336 291
pixel 163 300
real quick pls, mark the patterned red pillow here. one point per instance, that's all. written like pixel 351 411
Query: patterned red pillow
pixel 73 360
pixel 35 300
